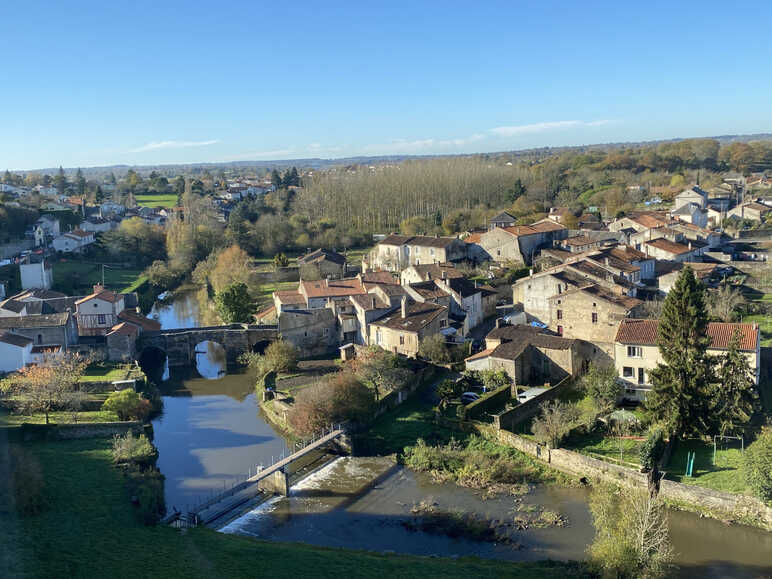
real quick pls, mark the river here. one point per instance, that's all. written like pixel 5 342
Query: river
pixel 211 432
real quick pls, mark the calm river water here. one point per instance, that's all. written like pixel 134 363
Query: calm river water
pixel 211 431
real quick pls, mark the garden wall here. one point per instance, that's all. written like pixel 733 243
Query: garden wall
pixel 82 430
pixel 717 504
pixel 489 400
pixel 509 419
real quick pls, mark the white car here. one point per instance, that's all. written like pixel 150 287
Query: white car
pixel 469 397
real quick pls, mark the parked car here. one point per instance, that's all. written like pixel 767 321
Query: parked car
pixel 469 397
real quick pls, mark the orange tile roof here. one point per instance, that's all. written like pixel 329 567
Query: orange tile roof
pixel 134 318
pixel 472 238
pixel 520 230
pixel 644 332
pixel 669 246
pixel 478 355
pixel 105 295
pixel 332 288
pixel 124 329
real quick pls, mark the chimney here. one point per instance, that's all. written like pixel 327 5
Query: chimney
pixel 98 288
pixel 530 272
pixel 605 260
pixel 444 274
pixel 498 323
pixel 690 246
pixel 372 297
pixel 476 284
pixel 404 307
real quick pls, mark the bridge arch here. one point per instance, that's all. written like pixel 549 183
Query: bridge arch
pixel 154 363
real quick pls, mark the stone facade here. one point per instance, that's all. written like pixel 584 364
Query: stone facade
pixel 312 332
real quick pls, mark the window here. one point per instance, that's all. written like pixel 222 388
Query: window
pixel 594 317
pixel 560 314
pixel 641 376
pixel 560 330
pixel 634 352
pixel 101 319
pixel 443 323
pixel 498 252
pixel 40 338
pixel 326 331
pixel 559 290
pixel 628 372
pixel 402 340
pixel 378 337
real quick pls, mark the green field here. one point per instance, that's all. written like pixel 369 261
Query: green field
pixel 726 475
pixel 79 275
pixel 605 447
pixel 58 417
pixel 161 200
pixel 89 530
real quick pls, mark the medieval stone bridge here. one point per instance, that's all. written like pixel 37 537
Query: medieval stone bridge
pixel 180 345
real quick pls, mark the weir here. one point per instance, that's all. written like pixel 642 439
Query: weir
pixel 273 479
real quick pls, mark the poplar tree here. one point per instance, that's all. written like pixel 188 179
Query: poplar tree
pixel 735 398
pixel 681 384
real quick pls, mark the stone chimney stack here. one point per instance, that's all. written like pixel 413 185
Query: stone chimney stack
pixel 690 246
pixel 98 288
pixel 404 307
pixel 606 260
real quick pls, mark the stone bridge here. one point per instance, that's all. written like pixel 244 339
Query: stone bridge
pixel 180 345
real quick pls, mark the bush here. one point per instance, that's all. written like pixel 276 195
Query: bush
pixel 493 379
pixel 146 488
pixel 130 448
pixel 602 386
pixel 757 463
pixel 435 349
pixel 652 449
pixel 555 422
pixel 448 389
pixel 128 405
pixel 338 398
pixel 279 357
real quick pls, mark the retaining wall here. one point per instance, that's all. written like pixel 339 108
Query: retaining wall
pixel 732 506
pixel 82 430
pixel 509 419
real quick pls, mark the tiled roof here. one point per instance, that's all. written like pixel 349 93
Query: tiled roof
pixel 369 302
pixel 39 321
pixel 134 318
pixel 428 290
pixel 124 329
pixel 321 255
pixel 40 294
pixel 383 277
pixel 14 339
pixel 420 240
pixel 473 237
pixel 104 295
pixel 578 240
pixel 12 305
pixel 669 246
pixel 602 293
pixel 503 216
pixel 326 288
pixel 79 233
pixel 644 332
pixel 547 224
pixel 758 207
pixel 462 286
pixel 518 230
pixel 435 271
pixel 289 297
pixel 479 355
pixel 418 317
pixel 515 340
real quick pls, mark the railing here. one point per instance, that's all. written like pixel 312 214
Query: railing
pixel 191 516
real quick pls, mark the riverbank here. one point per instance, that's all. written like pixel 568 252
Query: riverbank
pixel 89 529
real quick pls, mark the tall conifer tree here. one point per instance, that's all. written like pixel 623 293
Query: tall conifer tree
pixel 735 398
pixel 681 384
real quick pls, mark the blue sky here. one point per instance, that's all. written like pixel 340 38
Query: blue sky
pixel 97 83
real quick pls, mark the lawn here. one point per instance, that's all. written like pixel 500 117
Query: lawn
pixel 104 372
pixel 161 200
pixel 83 275
pixel 765 326
pixel 89 530
pixel 605 447
pixel 726 475
pixel 413 419
pixel 58 417
pixel 263 296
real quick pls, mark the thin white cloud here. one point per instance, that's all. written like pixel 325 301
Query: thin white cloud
pixel 517 130
pixel 155 145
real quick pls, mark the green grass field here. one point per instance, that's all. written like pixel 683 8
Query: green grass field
pixel 89 530
pixel 726 475
pixel 765 326
pixel 598 445
pixel 104 372
pixel 162 200
pixel 82 275
pixel 59 417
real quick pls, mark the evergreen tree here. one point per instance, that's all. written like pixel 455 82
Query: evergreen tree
pixel 680 395
pixel 517 191
pixel 735 395
pixel 276 179
pixel 235 305
pixel 80 183
pixel 60 181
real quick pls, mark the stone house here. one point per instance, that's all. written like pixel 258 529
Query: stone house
pixel 98 312
pixel 527 355
pixel 636 351
pixel 592 314
pixel 579 244
pixel 397 252
pixel 44 329
pixel 709 273
pixel 693 195
pixel 503 219
pixel 321 264
pixel 367 308
pixel 428 272
pixel 691 213
pixel 625 262
pixel 699 234
pixel 73 242
pixel 752 210
pixel 403 331
pixel 640 221
pixel 322 293
pixel 466 301
pixel 97 225
pixel 667 250
pixel 517 244
pixel 312 332
pixel 15 352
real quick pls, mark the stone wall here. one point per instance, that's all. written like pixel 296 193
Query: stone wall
pixel 312 332
pixel 731 506
pixel 493 399
pixel 510 418
pixel 82 430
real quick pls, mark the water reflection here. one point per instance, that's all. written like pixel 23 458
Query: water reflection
pixel 209 435
pixel 211 362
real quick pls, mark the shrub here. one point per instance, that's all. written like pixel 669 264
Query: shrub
pixel 435 349
pixel 555 422
pixel 493 379
pixel 146 488
pixel 602 386
pixel 130 448
pixel 757 463
pixel 448 389
pixel 338 398
pixel 652 449
pixel 128 405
